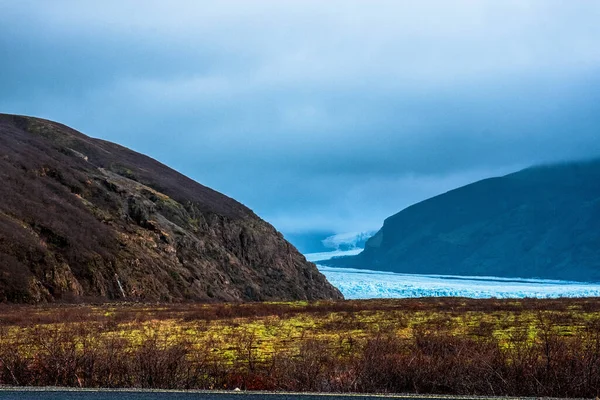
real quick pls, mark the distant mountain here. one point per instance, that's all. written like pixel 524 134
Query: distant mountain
pixel 85 218
pixel 540 222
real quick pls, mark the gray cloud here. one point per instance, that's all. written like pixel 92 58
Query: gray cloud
pixel 316 115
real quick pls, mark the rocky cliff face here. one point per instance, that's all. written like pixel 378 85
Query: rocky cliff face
pixel 540 222
pixel 84 218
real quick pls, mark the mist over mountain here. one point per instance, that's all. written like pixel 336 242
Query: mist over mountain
pixel 540 222
pixel 323 241
pixel 348 241
pixel 86 218
pixel 309 242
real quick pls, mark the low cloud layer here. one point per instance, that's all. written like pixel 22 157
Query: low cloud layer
pixel 317 115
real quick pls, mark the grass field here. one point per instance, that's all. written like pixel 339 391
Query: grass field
pixel 435 345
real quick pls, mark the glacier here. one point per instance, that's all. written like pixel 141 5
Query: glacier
pixel 348 240
pixel 366 284
pixel 327 255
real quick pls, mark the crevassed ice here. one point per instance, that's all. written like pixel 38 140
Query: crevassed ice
pixel 313 257
pixel 364 284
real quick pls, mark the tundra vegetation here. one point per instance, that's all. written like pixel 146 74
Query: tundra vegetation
pixel 437 345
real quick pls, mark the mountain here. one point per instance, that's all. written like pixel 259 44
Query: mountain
pixel 540 222
pixel 82 218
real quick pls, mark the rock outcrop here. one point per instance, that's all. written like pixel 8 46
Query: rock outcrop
pixel 82 218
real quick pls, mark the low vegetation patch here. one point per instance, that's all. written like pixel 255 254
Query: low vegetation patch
pixel 439 345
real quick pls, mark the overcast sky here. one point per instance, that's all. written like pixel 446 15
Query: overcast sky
pixel 318 115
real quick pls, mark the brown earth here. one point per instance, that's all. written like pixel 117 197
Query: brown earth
pixel 82 218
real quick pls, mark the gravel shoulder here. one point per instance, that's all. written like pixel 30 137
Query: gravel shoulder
pixel 53 393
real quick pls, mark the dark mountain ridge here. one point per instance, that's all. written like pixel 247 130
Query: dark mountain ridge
pixel 86 218
pixel 540 222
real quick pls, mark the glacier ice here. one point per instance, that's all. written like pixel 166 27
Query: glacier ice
pixel 347 241
pixel 314 257
pixel 365 284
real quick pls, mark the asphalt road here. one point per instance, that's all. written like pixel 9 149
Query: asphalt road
pixel 54 394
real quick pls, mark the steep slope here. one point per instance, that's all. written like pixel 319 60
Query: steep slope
pixel 539 222
pixel 85 218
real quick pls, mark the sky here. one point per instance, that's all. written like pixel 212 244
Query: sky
pixel 318 115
